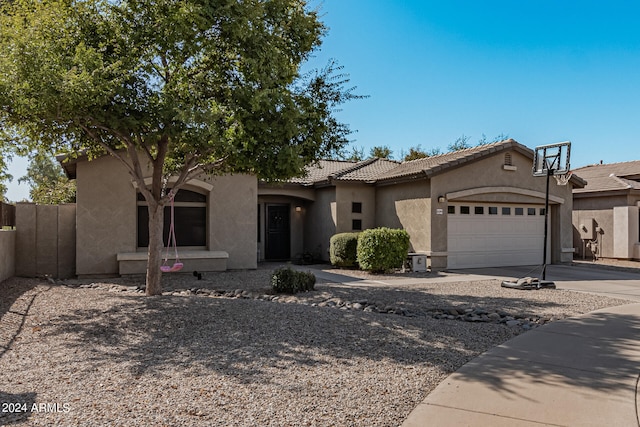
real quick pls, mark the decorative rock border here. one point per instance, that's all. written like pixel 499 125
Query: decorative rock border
pixel 463 314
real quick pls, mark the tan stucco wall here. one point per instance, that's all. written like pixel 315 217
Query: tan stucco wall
pixel 45 240
pixel 233 220
pixel 7 254
pixel 487 180
pixel 592 220
pixel 407 206
pixel 25 239
pixel 346 194
pixel 616 216
pixel 107 209
pixel 320 222
pixel 106 216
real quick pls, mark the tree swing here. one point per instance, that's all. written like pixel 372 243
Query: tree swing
pixel 177 265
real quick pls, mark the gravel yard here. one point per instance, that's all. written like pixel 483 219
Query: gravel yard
pixel 222 351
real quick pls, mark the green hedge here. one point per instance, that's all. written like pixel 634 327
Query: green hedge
pixel 286 280
pixel 382 249
pixel 343 249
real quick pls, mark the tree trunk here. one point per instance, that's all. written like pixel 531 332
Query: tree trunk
pixel 156 245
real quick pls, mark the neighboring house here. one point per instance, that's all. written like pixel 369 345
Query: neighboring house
pixel 471 208
pixel 605 217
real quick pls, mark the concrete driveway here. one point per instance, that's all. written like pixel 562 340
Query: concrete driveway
pixel 601 280
pixel 582 371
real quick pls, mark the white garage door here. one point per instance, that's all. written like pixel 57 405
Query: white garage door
pixel 492 235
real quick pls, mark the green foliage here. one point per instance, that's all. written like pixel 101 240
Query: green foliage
pixel 498 138
pixel 6 154
pixel 343 249
pixel 382 152
pixel 182 86
pixel 461 143
pixel 382 249
pixel 415 153
pixel 355 155
pixel 48 183
pixel 289 281
pixel 434 151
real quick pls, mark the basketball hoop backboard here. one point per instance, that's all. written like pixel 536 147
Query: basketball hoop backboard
pixel 552 158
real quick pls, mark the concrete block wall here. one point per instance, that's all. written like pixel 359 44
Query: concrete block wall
pixel 7 254
pixel 45 240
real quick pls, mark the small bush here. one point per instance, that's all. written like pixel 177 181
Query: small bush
pixel 288 281
pixel 343 249
pixel 382 249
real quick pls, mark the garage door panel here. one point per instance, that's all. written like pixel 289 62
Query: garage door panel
pixel 494 240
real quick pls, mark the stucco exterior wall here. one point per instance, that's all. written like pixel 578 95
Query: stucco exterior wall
pixel 7 254
pixel 610 220
pixel 599 228
pixel 107 216
pixel 233 220
pixel 406 205
pixel 45 240
pixel 346 195
pixel 320 222
pixel 625 231
pixel 489 180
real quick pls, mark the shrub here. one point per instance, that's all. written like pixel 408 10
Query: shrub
pixel 343 249
pixel 286 280
pixel 382 249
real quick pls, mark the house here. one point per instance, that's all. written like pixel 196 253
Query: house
pixel 605 216
pixel 477 207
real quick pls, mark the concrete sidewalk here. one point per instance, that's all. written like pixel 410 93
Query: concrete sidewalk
pixel 581 371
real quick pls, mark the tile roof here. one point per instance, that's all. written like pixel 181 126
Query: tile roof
pixel 343 170
pixel 609 177
pixel 367 170
pixel 429 166
pixel 380 170
pixel 321 171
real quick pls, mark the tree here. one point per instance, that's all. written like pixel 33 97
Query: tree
pixel 415 153
pixel 461 143
pixel 484 141
pixel 381 152
pixel 435 151
pixel 355 155
pixel 4 176
pixel 179 87
pixel 47 181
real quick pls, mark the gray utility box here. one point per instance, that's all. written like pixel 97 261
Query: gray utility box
pixel 418 262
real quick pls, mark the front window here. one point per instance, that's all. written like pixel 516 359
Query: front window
pixel 190 219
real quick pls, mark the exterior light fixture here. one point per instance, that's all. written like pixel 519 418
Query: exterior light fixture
pixel 298 208
pixel 441 199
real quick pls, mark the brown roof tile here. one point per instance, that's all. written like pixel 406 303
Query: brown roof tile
pixel 429 166
pixel 609 177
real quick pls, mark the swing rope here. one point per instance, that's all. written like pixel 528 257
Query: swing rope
pixel 177 265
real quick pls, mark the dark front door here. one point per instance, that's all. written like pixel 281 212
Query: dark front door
pixel 278 233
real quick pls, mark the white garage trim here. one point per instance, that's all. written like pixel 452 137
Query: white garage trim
pixel 491 190
pixel 494 234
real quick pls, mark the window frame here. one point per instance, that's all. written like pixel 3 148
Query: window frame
pixel 197 236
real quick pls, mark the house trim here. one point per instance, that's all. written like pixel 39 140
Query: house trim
pixel 492 190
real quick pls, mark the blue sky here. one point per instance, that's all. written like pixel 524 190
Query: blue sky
pixel 539 71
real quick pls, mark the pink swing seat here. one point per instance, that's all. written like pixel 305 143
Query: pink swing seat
pixel 177 265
